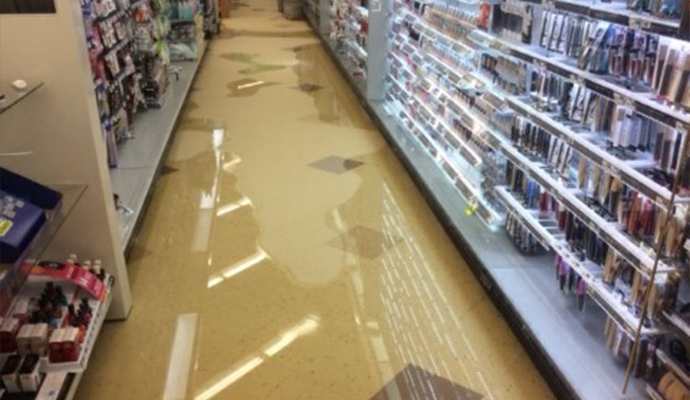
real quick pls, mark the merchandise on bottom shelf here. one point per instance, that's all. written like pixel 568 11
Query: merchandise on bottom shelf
pixel 110 39
pixel 187 30
pixel 350 32
pixel 53 322
pixel 659 8
pixel 521 236
pixel 152 55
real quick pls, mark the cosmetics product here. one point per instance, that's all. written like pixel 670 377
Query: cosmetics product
pixel 29 377
pixel 39 339
pixel 55 352
pixel 71 348
pixel 24 339
pixel 8 335
pixel 10 374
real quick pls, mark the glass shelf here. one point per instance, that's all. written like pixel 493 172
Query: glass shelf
pixel 14 96
pixel 10 273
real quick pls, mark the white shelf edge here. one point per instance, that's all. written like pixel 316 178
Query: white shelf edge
pixel 458 178
pixel 565 70
pixel 606 161
pixel 637 257
pixel 595 287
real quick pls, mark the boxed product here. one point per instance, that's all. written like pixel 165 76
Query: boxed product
pixel 20 222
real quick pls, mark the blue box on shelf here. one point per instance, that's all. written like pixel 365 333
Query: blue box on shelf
pixel 20 222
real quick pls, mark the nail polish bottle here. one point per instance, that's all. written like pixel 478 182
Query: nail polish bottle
pixel 61 296
pixel 71 315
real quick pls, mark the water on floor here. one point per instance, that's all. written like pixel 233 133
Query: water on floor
pixel 287 255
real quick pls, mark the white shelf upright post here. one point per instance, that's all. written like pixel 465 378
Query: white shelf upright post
pixel 378 48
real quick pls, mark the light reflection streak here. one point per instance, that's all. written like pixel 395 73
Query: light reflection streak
pixel 306 326
pixel 237 268
pixel 230 207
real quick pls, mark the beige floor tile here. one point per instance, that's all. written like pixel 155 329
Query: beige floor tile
pixel 306 283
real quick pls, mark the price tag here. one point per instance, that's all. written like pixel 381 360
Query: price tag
pixel 570 140
pixel 549 5
pixel 622 100
pixel 681 127
pixel 539 64
pixel 611 169
pixel 579 79
pixel 634 23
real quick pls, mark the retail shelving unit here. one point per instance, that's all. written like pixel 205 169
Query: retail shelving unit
pixel 312 11
pixel 540 159
pixel 166 42
pixel 349 32
pixel 141 158
pixel 57 140
pixel 186 37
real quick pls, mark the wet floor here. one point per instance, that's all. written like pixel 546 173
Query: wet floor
pixel 287 255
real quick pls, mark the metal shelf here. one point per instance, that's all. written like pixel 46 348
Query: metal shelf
pixel 619 14
pixel 596 289
pixel 14 96
pixel 71 194
pixel 644 103
pixel 606 161
pixel 467 190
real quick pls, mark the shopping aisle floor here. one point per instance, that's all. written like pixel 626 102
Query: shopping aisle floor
pixel 287 255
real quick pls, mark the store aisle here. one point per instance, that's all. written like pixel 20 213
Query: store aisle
pixel 287 254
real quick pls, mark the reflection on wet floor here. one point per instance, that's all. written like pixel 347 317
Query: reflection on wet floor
pixel 235 5
pixel 189 123
pixel 255 67
pixel 332 108
pixel 414 383
pixel 191 106
pixel 308 87
pixel 233 33
pixel 246 87
pixel 312 269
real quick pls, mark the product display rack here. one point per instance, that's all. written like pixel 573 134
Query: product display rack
pixel 463 87
pixel 141 159
pixel 64 377
pixel 211 18
pixel 349 31
pixel 21 283
pixel 163 33
pixel 311 10
pixel 187 32
pixel 152 55
pixel 110 39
